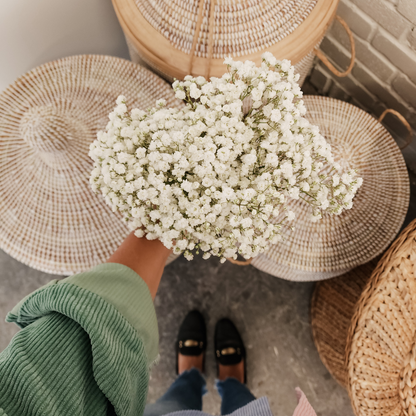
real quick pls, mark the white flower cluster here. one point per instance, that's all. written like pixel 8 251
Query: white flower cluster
pixel 214 175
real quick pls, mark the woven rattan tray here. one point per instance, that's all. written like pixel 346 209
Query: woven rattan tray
pixel 337 244
pixel 381 344
pixel 332 308
pixel 364 326
pixel 50 218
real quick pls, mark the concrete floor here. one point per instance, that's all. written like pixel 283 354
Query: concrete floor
pixel 272 315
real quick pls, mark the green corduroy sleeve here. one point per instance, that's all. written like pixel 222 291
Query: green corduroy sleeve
pixel 111 305
pixel 128 293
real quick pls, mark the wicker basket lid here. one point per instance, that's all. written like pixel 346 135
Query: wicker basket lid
pixel 337 244
pixel 181 36
pixel 381 346
pixel 50 218
pixel 239 27
pixel 332 308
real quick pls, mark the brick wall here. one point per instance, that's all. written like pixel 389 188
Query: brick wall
pixel 384 75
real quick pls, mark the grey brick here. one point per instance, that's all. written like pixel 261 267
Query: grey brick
pixel 378 109
pixel 358 22
pixel 396 128
pixel 394 125
pixel 320 80
pixel 401 56
pixel 411 37
pixel 336 91
pixel 405 88
pixel 335 53
pixel 338 32
pixel 409 154
pixel 368 56
pixel 382 91
pixel 361 94
pixel 308 88
pixel 408 9
pixel 372 59
pixel 385 15
pixel 358 104
pixel 412 119
pixel 355 90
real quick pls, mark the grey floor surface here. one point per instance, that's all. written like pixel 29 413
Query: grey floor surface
pixel 272 315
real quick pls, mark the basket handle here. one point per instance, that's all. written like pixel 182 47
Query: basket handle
pixel 240 262
pixel 403 120
pixel 325 60
pixel 196 35
pixel 210 36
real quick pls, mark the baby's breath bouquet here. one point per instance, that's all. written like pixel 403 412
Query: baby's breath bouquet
pixel 214 175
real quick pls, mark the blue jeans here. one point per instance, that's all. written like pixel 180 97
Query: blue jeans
pixel 187 390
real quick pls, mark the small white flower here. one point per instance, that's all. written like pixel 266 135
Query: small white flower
pixel 195 92
pixel 290 215
pixel 249 159
pixel 120 169
pixel 275 115
pixel 246 222
pixel 294 192
pixel 180 94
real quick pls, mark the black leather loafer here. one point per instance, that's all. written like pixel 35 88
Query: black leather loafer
pixel 192 337
pixel 229 347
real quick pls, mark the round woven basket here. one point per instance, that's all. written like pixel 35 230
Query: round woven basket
pixel 337 244
pixel 364 326
pixel 332 308
pixel 50 218
pixel 381 344
pixel 181 37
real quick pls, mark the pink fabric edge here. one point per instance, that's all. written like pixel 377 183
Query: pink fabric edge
pixel 303 408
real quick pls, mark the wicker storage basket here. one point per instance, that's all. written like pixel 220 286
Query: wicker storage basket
pixel 378 341
pixel 176 38
pixel 337 244
pixel 381 345
pixel 50 218
pixel 332 308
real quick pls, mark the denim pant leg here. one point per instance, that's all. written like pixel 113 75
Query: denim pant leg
pixel 185 393
pixel 233 394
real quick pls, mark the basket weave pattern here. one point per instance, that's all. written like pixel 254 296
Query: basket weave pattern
pixel 50 218
pixel 302 67
pixel 181 37
pixel 332 308
pixel 381 340
pixel 337 244
pixel 240 27
pixel 305 64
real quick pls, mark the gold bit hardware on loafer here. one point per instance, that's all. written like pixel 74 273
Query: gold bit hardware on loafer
pixel 229 351
pixel 190 343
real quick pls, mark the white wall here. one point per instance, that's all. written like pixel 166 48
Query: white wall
pixel 33 32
